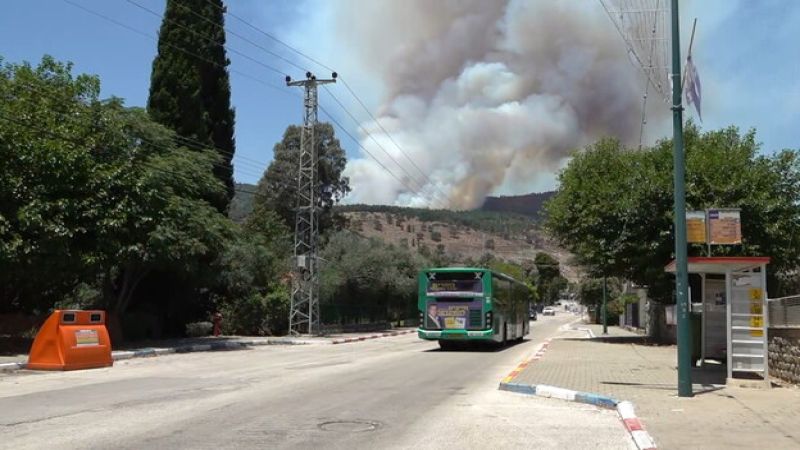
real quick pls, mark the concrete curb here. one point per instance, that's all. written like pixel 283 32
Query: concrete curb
pixel 374 336
pixel 11 367
pixel 634 426
pixel 588 331
pixel 640 436
pixel 121 355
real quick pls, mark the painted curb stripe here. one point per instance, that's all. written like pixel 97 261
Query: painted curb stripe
pixel 633 424
pixel 643 440
pixel 597 400
pixel 555 392
pixel 519 388
pixel 625 409
pixel 538 355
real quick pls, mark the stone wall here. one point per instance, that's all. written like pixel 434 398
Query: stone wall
pixel 784 354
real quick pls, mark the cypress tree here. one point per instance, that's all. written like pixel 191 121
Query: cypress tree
pixel 190 88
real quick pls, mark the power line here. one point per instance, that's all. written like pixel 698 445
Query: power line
pixel 151 37
pixel 252 165
pixel 357 142
pixel 81 143
pixel 374 119
pixel 330 116
pixel 269 35
pixel 245 39
pixel 350 90
pixel 65 114
pixel 371 137
pixel 213 41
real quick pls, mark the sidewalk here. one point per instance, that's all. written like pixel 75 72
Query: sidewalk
pixel 624 367
pixel 209 343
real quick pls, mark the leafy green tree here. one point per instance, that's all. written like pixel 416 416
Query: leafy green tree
pixel 254 297
pixel 274 233
pixel 242 203
pixel 613 209
pixel 49 181
pixel 277 189
pixel 363 276
pixel 549 282
pixel 190 86
pixel 93 192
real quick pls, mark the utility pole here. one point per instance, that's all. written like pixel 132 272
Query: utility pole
pixel 681 264
pixel 605 308
pixel 304 309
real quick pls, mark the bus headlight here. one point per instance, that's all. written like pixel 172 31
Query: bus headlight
pixel 489 318
pixel 421 319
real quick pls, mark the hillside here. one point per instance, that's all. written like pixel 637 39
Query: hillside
pixel 504 226
pixel 529 204
pixel 405 228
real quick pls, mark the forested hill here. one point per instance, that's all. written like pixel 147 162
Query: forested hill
pixel 485 221
pixel 528 204
pixel 503 232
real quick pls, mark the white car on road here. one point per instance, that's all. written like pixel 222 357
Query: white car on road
pixel 549 311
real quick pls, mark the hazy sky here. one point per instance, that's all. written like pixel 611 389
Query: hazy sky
pixel 747 54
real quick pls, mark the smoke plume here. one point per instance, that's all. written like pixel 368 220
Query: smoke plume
pixel 485 96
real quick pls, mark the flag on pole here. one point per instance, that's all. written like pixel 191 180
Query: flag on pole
pixel 692 87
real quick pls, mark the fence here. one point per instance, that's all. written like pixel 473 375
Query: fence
pixel 784 312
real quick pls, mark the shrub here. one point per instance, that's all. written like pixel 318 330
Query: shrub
pixel 257 314
pixel 198 329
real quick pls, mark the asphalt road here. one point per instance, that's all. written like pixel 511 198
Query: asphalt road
pixel 397 392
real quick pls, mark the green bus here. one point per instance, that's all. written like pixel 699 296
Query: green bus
pixel 467 304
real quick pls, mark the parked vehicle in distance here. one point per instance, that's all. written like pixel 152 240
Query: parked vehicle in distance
pixel 533 315
pixel 549 311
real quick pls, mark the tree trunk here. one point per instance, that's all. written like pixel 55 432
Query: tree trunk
pixel 131 278
pixel 118 299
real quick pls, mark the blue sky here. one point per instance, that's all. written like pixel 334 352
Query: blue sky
pixel 747 54
pixel 123 60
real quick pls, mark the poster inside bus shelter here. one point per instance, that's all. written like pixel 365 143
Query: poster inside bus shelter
pixel 450 314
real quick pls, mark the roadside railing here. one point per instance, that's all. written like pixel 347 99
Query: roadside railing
pixel 784 311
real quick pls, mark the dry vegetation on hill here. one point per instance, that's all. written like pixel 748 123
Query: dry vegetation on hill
pixel 459 241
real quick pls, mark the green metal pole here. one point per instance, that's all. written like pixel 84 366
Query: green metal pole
pixel 681 265
pixel 604 312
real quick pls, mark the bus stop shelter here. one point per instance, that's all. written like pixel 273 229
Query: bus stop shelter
pixel 732 310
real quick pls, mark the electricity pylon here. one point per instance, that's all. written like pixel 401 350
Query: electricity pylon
pixel 304 309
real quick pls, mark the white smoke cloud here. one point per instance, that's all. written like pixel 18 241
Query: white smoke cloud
pixel 484 96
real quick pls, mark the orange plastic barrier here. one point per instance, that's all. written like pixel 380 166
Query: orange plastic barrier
pixel 71 340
